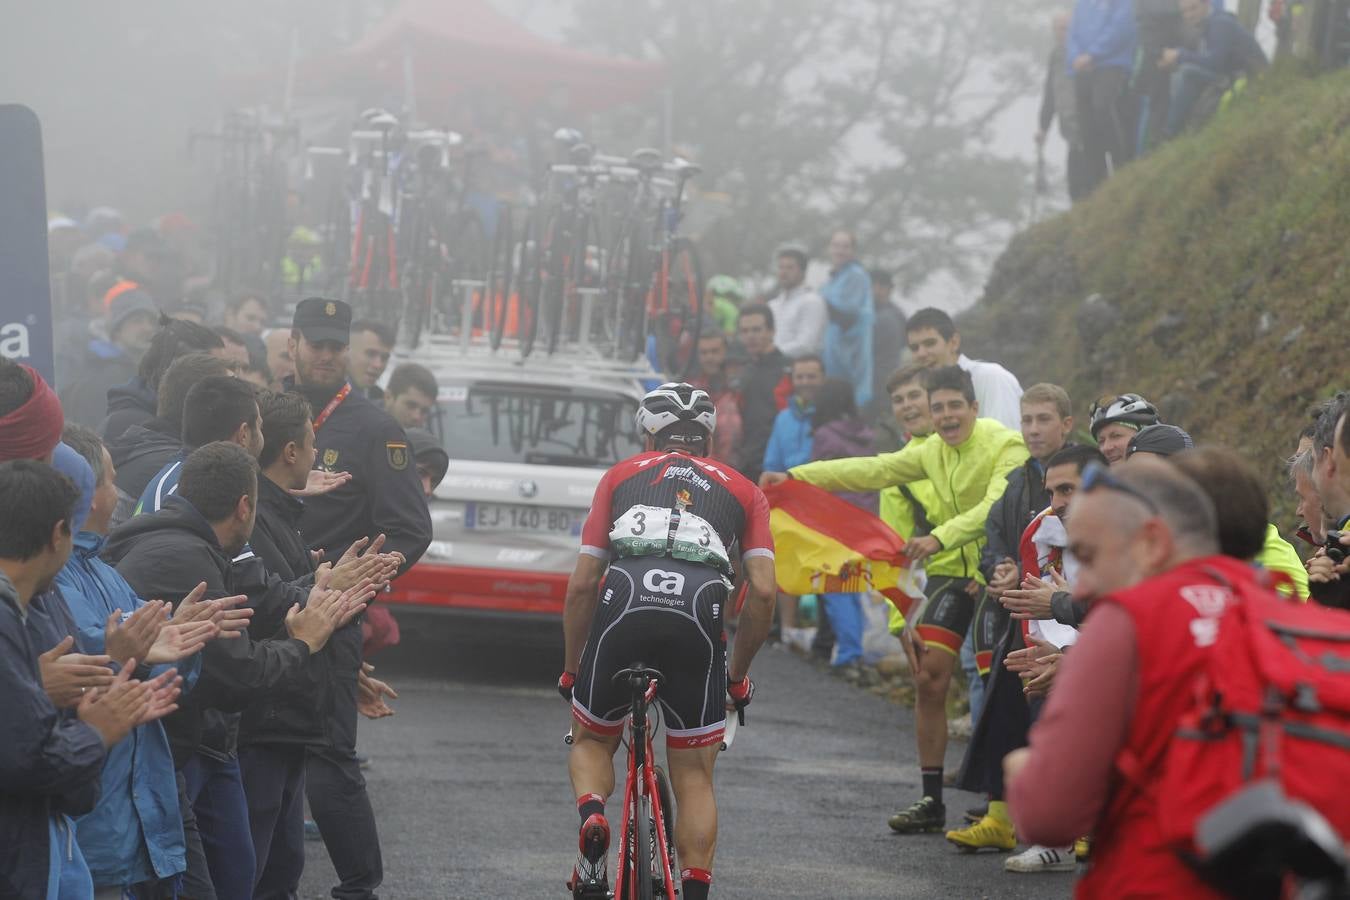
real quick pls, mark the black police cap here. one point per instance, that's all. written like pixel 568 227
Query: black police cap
pixel 319 319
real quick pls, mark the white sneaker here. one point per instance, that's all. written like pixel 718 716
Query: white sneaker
pixel 1042 859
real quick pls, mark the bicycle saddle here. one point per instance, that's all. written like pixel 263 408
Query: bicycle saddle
pixel 684 168
pixel 640 674
pixel 568 136
pixel 380 119
pixel 646 158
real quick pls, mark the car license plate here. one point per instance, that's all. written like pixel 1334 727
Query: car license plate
pixel 512 517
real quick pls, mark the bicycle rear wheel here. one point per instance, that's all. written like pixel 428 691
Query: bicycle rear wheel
pixel 667 798
pixel 642 849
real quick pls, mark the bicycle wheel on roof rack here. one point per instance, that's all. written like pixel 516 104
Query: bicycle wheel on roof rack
pixel 497 290
pixel 531 282
pixel 677 322
pixel 559 268
pixel 630 277
pixel 588 286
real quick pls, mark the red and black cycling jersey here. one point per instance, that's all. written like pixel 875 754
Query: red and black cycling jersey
pixel 718 494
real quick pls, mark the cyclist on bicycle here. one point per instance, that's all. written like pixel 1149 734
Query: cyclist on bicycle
pixel 650 585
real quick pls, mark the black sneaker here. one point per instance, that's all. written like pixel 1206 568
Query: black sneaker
pixel 928 816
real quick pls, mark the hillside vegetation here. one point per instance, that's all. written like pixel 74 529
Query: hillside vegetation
pixel 1210 277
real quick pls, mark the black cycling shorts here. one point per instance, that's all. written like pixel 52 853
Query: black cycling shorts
pixel 665 614
pixel 948 609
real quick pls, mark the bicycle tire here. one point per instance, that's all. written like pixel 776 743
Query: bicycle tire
pixel 560 257
pixel 531 283
pixel 642 848
pixel 667 797
pixel 637 286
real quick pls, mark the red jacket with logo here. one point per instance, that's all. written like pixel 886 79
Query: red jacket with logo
pixel 1175 621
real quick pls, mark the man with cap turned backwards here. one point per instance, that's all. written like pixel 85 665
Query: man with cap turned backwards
pixel 384 496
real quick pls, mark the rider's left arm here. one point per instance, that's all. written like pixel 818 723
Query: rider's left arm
pixel 583 590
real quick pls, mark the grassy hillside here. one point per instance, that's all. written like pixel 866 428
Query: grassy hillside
pixel 1212 277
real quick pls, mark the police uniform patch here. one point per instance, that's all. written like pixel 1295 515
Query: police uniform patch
pixel 330 309
pixel 330 458
pixel 398 455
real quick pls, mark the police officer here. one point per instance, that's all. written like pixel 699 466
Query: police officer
pixel 384 496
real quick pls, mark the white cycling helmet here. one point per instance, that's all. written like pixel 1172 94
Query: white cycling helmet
pixel 674 403
pixel 1127 409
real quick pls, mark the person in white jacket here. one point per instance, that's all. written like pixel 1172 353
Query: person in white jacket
pixel 934 341
pixel 800 315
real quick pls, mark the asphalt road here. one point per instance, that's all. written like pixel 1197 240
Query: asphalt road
pixel 469 783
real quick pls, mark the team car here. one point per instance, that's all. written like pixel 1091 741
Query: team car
pixel 528 442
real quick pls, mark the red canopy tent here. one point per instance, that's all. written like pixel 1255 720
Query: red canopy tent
pixel 451 47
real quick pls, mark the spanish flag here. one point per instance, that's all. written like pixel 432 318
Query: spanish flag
pixel 823 544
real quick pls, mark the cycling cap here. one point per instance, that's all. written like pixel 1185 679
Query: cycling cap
pixel 1127 409
pixel 1163 440
pixel 725 286
pixel 674 403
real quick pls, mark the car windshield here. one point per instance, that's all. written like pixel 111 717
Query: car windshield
pixel 536 424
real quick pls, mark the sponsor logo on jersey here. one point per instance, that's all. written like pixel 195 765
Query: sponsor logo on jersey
pixel 683 499
pixel 689 474
pixel 663 582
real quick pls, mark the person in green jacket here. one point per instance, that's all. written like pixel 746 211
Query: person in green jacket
pixel 725 296
pixel 905 507
pixel 968 469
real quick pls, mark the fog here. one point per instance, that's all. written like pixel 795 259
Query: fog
pixel 121 87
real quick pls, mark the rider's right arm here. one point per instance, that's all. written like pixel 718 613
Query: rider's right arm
pixel 583 590
pixel 756 617
pixel 865 473
pixel 595 532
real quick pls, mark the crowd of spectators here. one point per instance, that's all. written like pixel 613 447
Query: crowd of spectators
pixel 1125 75
pixel 183 665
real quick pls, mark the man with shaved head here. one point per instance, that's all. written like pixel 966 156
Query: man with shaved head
pixel 1146 538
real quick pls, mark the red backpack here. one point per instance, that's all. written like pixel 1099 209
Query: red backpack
pixel 1270 722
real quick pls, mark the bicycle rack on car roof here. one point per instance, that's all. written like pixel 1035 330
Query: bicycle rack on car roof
pixel 574 362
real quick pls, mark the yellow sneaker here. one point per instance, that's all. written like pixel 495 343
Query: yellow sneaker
pixel 987 834
pixel 1082 849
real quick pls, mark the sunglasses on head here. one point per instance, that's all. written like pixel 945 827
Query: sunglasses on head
pixel 1097 475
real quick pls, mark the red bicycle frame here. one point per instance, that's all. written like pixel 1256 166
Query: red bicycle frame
pixel 640 783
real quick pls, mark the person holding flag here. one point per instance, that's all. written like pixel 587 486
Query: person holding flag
pixel 969 469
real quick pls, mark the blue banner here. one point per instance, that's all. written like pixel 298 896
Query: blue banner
pixel 25 287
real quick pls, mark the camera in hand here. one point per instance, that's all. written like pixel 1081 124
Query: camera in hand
pixel 1335 552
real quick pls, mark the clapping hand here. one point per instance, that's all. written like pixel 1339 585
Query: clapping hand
pixel 1035 664
pixel 133 638
pixel 1033 599
pixel 68 677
